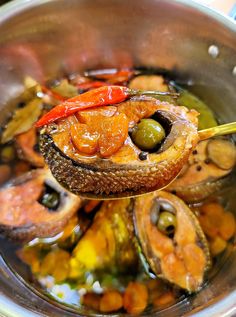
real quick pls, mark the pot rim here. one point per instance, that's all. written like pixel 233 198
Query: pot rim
pixel 225 307
pixel 9 9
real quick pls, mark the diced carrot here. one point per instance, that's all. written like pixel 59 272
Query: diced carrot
pixel 211 216
pixel 31 257
pixel 156 287
pixel 92 300
pixel 135 298
pixel 207 226
pixel 216 221
pixel 227 227
pixel 111 301
pixel 212 209
pixel 165 299
pixel 217 246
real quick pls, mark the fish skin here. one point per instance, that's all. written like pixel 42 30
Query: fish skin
pixel 112 180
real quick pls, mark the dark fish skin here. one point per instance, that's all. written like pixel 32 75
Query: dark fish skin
pixel 156 252
pixel 108 180
pixel 201 177
pixel 110 183
pixel 37 227
pixel 200 191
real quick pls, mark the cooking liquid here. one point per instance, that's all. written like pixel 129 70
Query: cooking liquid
pixel 47 259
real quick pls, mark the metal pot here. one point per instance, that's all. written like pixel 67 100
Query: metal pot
pixel 48 38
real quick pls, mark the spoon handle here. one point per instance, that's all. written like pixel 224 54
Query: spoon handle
pixel 219 130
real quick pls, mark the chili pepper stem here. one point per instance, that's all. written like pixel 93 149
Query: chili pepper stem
pixel 134 92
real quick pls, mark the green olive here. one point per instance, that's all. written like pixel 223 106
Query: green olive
pixel 51 200
pixel 148 134
pixel 167 222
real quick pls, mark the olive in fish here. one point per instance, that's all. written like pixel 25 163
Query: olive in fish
pixel 32 218
pixel 122 174
pixel 181 258
pixel 148 134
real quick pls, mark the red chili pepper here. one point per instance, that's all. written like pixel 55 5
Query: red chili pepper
pixel 112 75
pixel 92 85
pixel 102 96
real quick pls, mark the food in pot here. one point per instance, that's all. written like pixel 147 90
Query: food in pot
pixel 171 239
pixel 147 134
pixel 208 170
pixel 107 243
pixel 23 119
pixel 104 255
pixel 218 224
pixel 100 265
pixel 35 205
pixel 27 147
pixel 92 154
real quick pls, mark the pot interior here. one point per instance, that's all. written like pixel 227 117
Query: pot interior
pixel 48 39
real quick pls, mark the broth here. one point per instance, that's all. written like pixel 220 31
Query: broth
pixel 46 264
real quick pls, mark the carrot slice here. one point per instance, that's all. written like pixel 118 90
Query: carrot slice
pixel 217 245
pixel 111 302
pixel 135 298
pixel 228 226
pixel 91 300
pixel 165 299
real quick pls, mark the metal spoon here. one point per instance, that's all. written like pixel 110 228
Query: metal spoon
pixel 224 129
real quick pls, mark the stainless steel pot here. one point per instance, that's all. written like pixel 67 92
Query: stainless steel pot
pixel 47 38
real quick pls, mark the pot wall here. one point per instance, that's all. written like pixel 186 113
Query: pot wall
pixel 46 39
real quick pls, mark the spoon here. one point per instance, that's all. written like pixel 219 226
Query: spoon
pixel 224 129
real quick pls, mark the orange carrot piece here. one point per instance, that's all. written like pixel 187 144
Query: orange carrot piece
pixel 217 245
pixel 135 298
pixel 165 299
pixel 111 301
pixel 228 226
pixel 91 300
